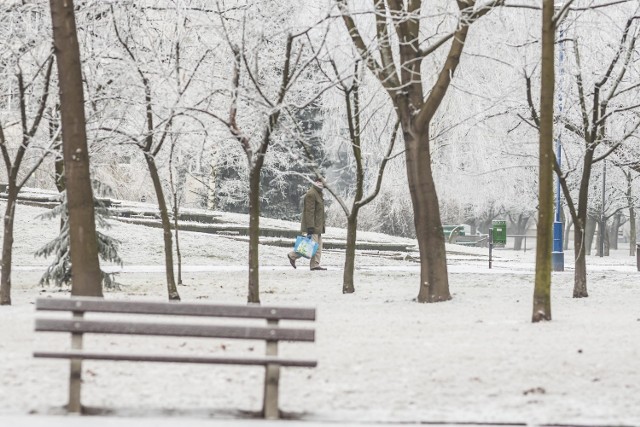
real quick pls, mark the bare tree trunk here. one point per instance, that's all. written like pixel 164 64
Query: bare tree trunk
pixel 542 291
pixel 474 228
pixel 83 242
pixel 176 211
pixel 176 228
pixel 581 224
pixel 599 238
pixel 212 184
pixel 7 246
pixel 355 134
pixel 400 73
pixel 59 170
pixel 254 235
pixel 521 229
pixel 517 243
pixel 580 277
pixel 632 231
pixel 350 253
pixel 58 166
pixel 434 280
pixel 612 233
pixel 589 234
pixel 485 224
pixel 166 228
pixel 603 240
pixel 567 230
pixel 632 215
pixel 581 234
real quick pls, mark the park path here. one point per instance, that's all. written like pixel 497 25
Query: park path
pixel 480 267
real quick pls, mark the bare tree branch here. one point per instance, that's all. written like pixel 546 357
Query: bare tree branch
pixel 5 151
pixel 617 110
pixel 581 96
pixel 389 80
pixel 620 51
pixel 382 167
pixel 570 9
pixel 52 149
pixel 532 107
pixel 42 102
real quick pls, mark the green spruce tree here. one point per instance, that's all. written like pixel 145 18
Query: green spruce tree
pixel 59 272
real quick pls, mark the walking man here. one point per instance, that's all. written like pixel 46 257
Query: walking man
pixel 312 223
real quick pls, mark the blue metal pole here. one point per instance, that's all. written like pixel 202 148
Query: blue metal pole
pixel 603 226
pixel 557 255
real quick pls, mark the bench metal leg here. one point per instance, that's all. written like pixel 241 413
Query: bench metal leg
pixel 75 372
pixel 271 381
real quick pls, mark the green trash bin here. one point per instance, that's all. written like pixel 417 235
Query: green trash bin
pixel 499 235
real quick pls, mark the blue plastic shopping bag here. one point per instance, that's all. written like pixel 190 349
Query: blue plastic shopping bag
pixel 305 247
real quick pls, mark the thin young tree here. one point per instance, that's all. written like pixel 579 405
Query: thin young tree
pixel 356 121
pixel 264 72
pixel 396 56
pixel 542 289
pixel 16 176
pixel 175 197
pixel 628 164
pixel 86 275
pixel 255 153
pixel 594 113
pixel 157 130
pixel 176 206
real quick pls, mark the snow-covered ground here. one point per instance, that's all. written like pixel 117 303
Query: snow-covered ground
pixel 381 356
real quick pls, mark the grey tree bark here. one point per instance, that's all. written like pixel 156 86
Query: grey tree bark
pixel 567 229
pixel 400 73
pixel 542 290
pixel 589 233
pixel 521 226
pixel 86 275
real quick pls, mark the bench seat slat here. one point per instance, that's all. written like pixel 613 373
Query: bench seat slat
pixel 176 330
pixel 84 304
pixel 225 360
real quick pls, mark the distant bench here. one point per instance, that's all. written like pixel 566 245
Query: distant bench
pixel 271 334
pixel 449 231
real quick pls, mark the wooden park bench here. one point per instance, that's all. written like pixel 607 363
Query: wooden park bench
pixel 154 325
pixel 452 231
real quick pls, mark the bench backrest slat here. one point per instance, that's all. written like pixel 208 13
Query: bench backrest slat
pixel 89 304
pixel 178 330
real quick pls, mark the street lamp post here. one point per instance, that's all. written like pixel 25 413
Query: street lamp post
pixel 557 255
pixel 603 218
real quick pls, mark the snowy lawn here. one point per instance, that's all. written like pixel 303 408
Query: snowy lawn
pixel 381 355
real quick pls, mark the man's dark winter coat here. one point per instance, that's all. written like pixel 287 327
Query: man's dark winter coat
pixel 313 211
